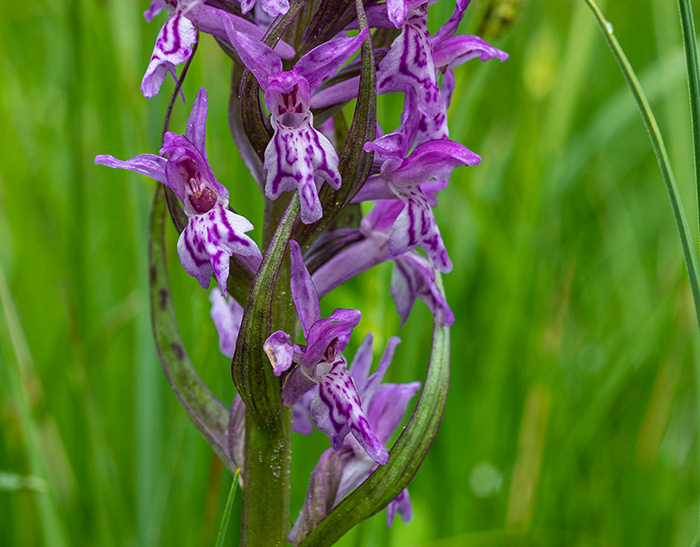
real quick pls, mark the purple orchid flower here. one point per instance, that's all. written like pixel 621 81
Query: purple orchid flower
pixel 413 276
pixel 227 315
pixel 405 177
pixel 298 157
pixel 335 408
pixel 338 473
pixel 179 33
pixel 213 233
pixel 416 58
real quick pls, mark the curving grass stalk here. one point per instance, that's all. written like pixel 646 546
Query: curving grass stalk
pixel 691 57
pixel 657 144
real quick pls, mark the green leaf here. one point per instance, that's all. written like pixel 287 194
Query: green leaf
pixel 227 510
pixel 257 385
pixel 207 413
pixel 405 457
pixel 327 22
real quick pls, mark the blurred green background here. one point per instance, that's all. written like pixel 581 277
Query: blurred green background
pixel 573 401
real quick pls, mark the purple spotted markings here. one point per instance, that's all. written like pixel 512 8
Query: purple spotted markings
pixel 339 472
pixel 335 408
pixel 272 8
pixel 409 62
pixel 179 34
pixel 213 233
pixel 414 177
pixel 298 157
pixel 413 276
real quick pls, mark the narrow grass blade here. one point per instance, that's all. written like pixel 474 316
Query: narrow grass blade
pixel 18 369
pixel 227 510
pixel 657 144
pixel 691 57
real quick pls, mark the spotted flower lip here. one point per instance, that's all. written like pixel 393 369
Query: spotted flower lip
pixel 335 408
pixel 298 157
pixel 338 473
pixel 179 33
pixel 213 233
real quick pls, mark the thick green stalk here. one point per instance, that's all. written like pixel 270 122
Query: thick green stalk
pixel 267 465
pixel 657 144
pixel 691 57
pixel 266 483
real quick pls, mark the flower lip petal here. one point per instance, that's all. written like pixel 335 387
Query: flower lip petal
pixel 337 411
pixel 173 46
pixel 413 277
pixel 208 241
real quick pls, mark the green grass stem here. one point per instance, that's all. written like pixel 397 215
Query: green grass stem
pixel 691 56
pixel 659 148
pixel 227 510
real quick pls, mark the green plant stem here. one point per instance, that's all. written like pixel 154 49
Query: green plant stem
pixel 267 471
pixel 691 57
pixel 657 144
pixel 267 465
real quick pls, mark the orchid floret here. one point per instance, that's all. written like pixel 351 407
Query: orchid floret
pixel 213 233
pixel 298 157
pixel 335 408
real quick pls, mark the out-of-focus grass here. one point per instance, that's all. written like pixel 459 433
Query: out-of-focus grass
pixel 572 413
